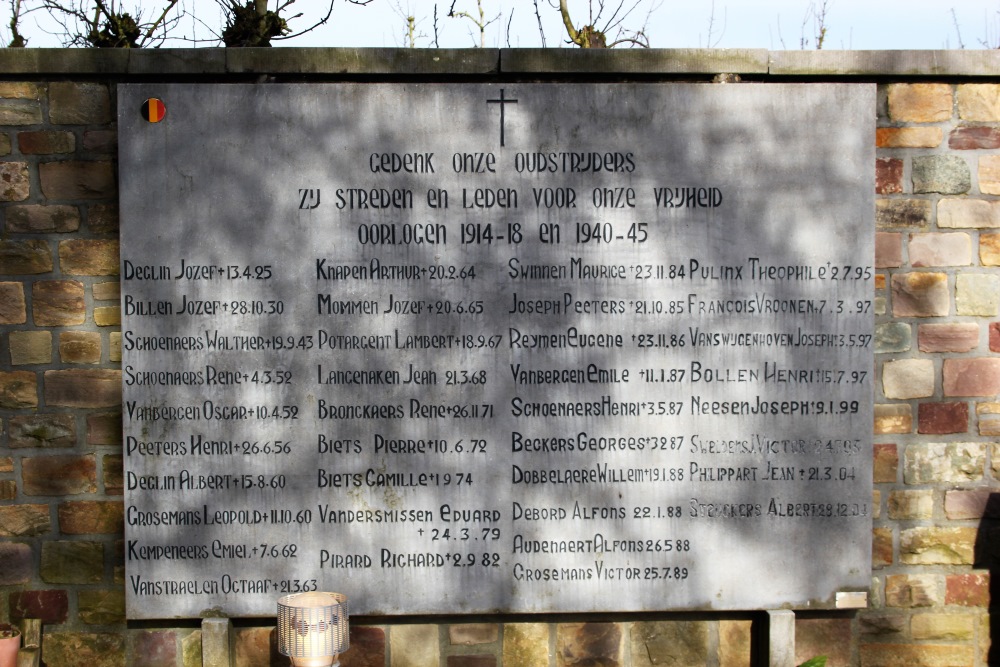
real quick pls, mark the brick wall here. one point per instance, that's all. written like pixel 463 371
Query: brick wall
pixel 937 458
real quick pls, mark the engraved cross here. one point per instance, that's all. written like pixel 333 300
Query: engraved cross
pixel 502 101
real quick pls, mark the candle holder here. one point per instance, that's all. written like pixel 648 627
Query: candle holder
pixel 313 628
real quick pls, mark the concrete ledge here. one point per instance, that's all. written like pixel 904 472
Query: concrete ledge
pixel 886 63
pixel 63 61
pixel 362 61
pixel 634 61
pixel 177 61
pixel 121 64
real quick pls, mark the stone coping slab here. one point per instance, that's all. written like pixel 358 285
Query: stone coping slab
pixel 362 61
pixel 634 61
pixel 886 63
pixel 442 62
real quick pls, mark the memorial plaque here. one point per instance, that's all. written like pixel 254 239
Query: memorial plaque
pixel 469 348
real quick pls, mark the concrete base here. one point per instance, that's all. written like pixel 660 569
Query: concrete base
pixel 775 639
pixel 216 642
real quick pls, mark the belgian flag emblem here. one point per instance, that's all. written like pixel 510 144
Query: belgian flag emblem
pixel 153 110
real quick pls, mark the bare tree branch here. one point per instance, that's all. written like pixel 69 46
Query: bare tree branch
pixel 480 22
pixel 17 11
pixel 541 30
pixel 436 45
pixel 161 19
pixel 709 44
pixel 592 37
pixel 958 30
pixel 101 24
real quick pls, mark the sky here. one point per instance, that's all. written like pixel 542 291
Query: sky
pixel 766 24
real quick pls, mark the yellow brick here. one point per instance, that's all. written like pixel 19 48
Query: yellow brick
pixel 979 102
pixel 920 102
pixel 107 316
pixel 909 137
pixel 989 174
pixel 942 626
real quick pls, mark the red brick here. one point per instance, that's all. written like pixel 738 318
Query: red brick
pixel 100 141
pixel 51 606
pixel 114 475
pixel 888 176
pixel 942 418
pixel 971 377
pixel 102 218
pixel 473 633
pixel 472 661
pixel 823 636
pixel 367 647
pixel 974 137
pixel 75 179
pixel 916 655
pixel 104 429
pixel 156 648
pixel 83 388
pixel 18 390
pixel 24 520
pixel 888 250
pixel 12 304
pixel 41 219
pixel 920 295
pixel 17 563
pixel 58 303
pixel 592 643
pixel 61 475
pixel 46 142
pixel 256 646
pixel 948 337
pixel 940 249
pixel 962 504
pixel 42 430
pixel 994 336
pixel 28 257
pixel 91 517
pixel 968 590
